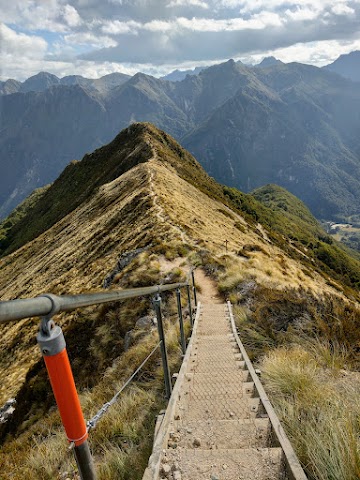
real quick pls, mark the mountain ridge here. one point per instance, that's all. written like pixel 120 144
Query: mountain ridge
pixel 144 205
pixel 347 65
pixel 311 147
pixel 44 80
pixel 141 143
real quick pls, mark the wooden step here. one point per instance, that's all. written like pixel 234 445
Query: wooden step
pixel 223 464
pixel 223 434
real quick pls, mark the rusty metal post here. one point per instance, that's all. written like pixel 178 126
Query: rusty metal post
pixel 167 377
pixel 53 348
pixel 182 333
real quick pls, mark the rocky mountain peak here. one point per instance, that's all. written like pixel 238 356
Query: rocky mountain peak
pixel 39 82
pixel 269 62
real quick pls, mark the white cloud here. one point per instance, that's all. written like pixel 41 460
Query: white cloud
pixel 51 15
pixel 87 38
pixel 249 6
pixel 253 5
pixel 256 22
pixel 316 53
pixel 117 27
pixel 342 9
pixel 188 3
pixel 159 26
pixel 43 15
pixel 302 14
pixel 17 45
pixel 71 16
pixel 313 53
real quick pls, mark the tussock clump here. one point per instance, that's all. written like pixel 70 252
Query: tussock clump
pixel 319 406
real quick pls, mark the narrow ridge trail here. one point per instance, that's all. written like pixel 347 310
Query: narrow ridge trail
pixel 159 210
pixel 208 292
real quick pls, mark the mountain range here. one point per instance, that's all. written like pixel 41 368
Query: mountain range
pixel 347 65
pixel 290 124
pixel 44 80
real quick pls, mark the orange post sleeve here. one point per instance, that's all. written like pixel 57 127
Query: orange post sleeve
pixel 63 385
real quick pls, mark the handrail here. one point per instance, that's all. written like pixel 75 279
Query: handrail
pixel 293 467
pixel 53 348
pixel 49 304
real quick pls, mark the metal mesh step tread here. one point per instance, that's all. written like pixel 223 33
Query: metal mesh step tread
pixel 218 407
pixel 222 368
pixel 239 464
pixel 223 434
pixel 218 428
pixel 228 379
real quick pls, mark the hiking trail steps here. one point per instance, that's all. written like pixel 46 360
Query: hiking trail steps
pixel 217 427
pixel 218 431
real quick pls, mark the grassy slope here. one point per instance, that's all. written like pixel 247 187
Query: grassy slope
pixel 81 180
pixel 154 206
pixel 18 214
pixel 285 215
pixel 77 184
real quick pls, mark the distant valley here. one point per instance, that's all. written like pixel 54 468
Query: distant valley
pixel 289 124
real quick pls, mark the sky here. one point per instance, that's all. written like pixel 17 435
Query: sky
pixel 96 37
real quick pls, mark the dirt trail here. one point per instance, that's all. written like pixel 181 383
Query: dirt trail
pixel 209 293
pixel 159 210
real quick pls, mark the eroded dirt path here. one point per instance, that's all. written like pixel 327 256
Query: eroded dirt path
pixel 159 210
pixel 208 292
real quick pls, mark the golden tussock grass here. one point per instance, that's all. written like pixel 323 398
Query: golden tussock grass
pixel 318 403
pixel 206 223
pixel 151 207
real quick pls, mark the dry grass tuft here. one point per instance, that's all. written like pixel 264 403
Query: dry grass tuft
pixel 319 406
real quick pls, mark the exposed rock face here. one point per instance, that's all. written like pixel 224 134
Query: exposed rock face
pixel 122 262
pixel 7 410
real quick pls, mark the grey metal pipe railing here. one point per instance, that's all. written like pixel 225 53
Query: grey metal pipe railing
pixel 49 304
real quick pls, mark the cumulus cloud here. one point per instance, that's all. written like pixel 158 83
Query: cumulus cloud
pixel 17 45
pixel 71 16
pixel 302 14
pixel 182 24
pixel 210 39
pixel 118 27
pixel 50 15
pixel 87 38
pixel 315 53
pixel 342 9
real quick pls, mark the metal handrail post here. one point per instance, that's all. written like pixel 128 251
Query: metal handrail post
pixel 182 333
pixel 189 304
pixel 84 461
pixel 53 348
pixel 194 288
pixel 167 377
